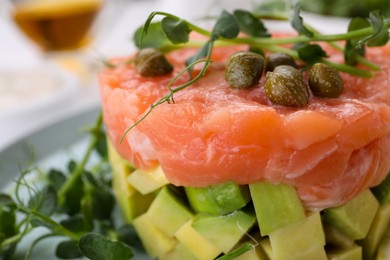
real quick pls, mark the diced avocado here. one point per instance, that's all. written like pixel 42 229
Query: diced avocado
pixel 265 245
pixel 382 191
pixel 352 253
pixel 179 252
pixel 147 181
pixel 224 231
pixel 301 240
pixel 135 205
pixel 155 242
pixel 257 252
pixel 132 203
pixel 115 159
pixel 218 199
pixel 377 231
pixel 355 217
pixel 276 205
pixel 167 212
pixel 384 247
pixel 198 245
pixel 334 237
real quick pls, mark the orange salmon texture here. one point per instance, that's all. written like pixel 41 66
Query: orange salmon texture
pixel 329 151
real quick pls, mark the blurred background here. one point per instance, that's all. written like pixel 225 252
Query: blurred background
pixel 52 50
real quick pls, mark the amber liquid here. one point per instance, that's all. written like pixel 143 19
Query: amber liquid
pixel 57 25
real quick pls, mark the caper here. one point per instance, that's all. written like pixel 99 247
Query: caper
pixel 286 86
pixel 244 69
pixel 325 81
pixel 277 59
pixel 150 62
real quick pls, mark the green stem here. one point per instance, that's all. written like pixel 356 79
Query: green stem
pixel 58 228
pixel 36 242
pixel 367 63
pixel 76 174
pixel 350 69
pixel 169 96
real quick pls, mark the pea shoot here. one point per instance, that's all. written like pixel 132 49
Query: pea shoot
pixel 76 204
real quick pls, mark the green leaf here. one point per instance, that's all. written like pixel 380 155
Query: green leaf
pixel 297 22
pixel 226 27
pixel 98 247
pixel 73 196
pixel 72 165
pixel 7 223
pixel 155 38
pixel 68 250
pixel 45 201
pixel 249 24
pixel 56 178
pixel 75 224
pixel 352 49
pixel 128 235
pixel 102 200
pixel 176 30
pixel 311 53
pixel 380 35
pixel 202 52
pixel 6 201
pixel 275 9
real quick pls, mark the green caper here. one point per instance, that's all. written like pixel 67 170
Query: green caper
pixel 150 62
pixel 286 86
pixel 325 81
pixel 244 69
pixel 276 59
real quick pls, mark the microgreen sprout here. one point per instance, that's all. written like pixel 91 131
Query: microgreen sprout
pixel 76 205
pixel 172 32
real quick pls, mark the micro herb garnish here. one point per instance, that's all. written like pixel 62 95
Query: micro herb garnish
pixel 172 33
pixel 76 205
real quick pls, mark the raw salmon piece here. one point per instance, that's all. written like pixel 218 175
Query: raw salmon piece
pixel 330 150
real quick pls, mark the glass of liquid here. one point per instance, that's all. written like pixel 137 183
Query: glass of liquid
pixel 65 30
pixel 57 25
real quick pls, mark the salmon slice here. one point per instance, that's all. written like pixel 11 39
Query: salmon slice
pixel 329 150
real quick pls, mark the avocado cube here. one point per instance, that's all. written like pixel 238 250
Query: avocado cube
pixel 355 217
pixel 276 205
pixel 384 247
pixel 219 199
pixel 131 202
pixel 198 245
pixel 377 231
pixel 265 245
pixel 179 252
pixel 301 240
pixel 224 231
pixel 352 253
pixel 148 180
pixel 256 253
pixel 167 212
pixel 336 238
pixel 155 242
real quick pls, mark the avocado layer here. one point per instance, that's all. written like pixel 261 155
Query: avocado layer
pixel 355 217
pixel 204 223
pixel 276 206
